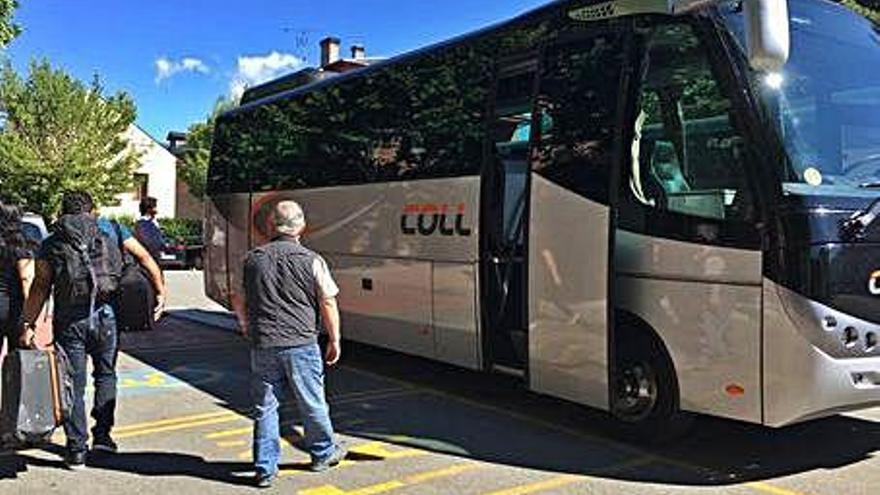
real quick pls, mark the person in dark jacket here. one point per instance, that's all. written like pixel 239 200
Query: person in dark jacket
pixel 147 230
pixel 286 288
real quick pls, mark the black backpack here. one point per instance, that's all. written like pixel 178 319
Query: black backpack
pixel 86 262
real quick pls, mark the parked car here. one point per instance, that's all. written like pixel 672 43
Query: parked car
pixel 182 254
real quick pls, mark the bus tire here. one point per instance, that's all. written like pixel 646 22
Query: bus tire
pixel 646 404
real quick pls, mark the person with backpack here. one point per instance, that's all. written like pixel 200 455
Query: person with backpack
pixel 81 262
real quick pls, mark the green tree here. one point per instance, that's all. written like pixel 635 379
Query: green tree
pixel 8 29
pixel 60 134
pixel 199 137
pixel 868 8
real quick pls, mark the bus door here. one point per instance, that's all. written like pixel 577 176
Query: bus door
pixel 570 227
pixel 504 216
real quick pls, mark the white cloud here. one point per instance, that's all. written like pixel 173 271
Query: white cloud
pixel 258 69
pixel 167 68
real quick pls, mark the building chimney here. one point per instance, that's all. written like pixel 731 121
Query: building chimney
pixel 358 52
pixel 329 51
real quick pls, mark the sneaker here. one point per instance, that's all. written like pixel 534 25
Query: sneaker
pixel 104 444
pixel 264 480
pixel 333 460
pixel 75 460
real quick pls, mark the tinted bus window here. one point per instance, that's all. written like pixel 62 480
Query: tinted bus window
pixel 579 91
pixel 420 120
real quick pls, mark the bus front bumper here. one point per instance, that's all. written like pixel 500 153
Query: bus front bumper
pixel 817 361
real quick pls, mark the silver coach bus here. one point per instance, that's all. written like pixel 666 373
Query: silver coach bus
pixel 632 205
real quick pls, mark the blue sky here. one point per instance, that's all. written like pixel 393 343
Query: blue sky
pixel 176 57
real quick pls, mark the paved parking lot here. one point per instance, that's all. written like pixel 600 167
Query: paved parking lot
pixel 421 428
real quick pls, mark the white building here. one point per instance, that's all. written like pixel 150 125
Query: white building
pixel 156 177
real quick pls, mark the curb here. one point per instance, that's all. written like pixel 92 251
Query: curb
pixel 223 320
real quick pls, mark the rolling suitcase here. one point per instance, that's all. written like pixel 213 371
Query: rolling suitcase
pixel 135 301
pixel 37 393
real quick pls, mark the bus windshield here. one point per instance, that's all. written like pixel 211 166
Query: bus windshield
pixel 825 103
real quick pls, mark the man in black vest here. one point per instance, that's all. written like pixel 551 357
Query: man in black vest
pixel 286 288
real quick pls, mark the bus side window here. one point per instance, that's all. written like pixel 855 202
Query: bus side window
pixel 688 158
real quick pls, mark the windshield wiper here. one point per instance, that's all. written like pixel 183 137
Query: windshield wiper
pixel 870 185
pixel 854 227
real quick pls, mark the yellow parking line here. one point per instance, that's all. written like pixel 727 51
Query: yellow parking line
pixel 371 449
pixel 380 449
pixel 768 488
pixel 168 421
pixel 439 473
pixel 388 486
pixel 568 479
pixel 349 398
pixel 229 433
pixel 370 490
pixel 538 486
pixel 181 426
pixel 232 443
pixel 760 486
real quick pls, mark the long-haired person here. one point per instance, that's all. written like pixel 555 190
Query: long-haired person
pixel 16 272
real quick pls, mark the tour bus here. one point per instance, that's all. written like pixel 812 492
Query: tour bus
pixel 645 207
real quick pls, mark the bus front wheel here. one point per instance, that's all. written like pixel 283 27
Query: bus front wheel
pixel 646 392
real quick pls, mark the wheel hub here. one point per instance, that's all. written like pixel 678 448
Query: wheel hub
pixel 636 392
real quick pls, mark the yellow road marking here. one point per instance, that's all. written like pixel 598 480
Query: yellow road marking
pixel 229 418
pixel 380 449
pixel 229 433
pixel 439 473
pixel 348 399
pixel 168 421
pixel 768 488
pixel 538 486
pixel 567 479
pixel 370 490
pixel 388 486
pixel 232 443
pixel 759 486
pixel 371 449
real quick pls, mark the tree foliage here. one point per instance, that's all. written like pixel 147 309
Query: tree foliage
pixel 199 137
pixel 62 134
pixel 868 8
pixel 8 29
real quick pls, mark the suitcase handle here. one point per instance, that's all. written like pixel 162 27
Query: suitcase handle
pixel 56 387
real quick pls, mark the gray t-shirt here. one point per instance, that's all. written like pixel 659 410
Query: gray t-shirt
pixel 284 284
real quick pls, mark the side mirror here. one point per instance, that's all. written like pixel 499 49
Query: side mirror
pixel 767 31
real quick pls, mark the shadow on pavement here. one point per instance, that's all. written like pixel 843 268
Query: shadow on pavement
pixel 172 464
pixel 413 402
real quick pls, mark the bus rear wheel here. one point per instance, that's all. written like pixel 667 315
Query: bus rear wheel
pixel 646 393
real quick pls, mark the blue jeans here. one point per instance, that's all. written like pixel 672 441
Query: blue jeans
pixel 101 344
pixel 302 369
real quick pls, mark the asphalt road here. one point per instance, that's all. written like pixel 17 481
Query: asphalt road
pixel 416 427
